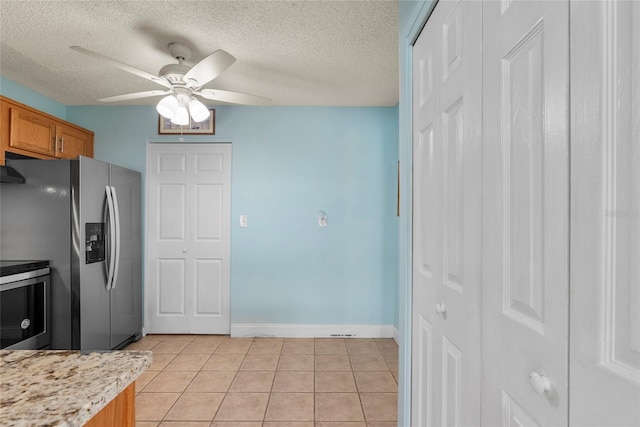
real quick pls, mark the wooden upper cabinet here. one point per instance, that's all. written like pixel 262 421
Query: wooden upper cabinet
pixel 71 143
pixel 29 132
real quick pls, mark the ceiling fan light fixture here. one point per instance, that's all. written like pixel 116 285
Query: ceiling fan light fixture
pixel 182 116
pixel 168 106
pixel 181 83
pixel 199 112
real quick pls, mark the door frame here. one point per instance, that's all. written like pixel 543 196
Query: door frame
pixel 174 140
pixel 408 35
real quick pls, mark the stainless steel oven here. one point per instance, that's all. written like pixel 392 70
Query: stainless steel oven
pixel 25 314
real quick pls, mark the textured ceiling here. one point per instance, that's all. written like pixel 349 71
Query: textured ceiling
pixel 313 53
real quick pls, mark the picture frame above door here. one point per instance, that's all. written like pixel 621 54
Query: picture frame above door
pixel 206 127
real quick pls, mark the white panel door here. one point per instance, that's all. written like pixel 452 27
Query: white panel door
pixel 525 212
pixel 605 214
pixel 447 177
pixel 188 238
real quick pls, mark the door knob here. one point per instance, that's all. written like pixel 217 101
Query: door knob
pixel 184 250
pixel 540 383
pixel 440 308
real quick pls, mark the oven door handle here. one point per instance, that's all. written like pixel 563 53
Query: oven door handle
pixel 112 238
pixel 116 210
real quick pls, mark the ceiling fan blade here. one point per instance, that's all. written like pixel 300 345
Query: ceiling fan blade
pixel 135 95
pixel 122 66
pixel 233 97
pixel 210 67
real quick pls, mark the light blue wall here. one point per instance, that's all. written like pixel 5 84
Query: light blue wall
pixel 413 15
pixel 288 163
pixel 33 99
pixel 287 166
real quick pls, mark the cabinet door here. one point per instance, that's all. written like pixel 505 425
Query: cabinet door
pixel 31 132
pixel 71 142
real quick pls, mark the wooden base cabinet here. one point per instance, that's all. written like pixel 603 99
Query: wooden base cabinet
pixel 32 133
pixel 119 412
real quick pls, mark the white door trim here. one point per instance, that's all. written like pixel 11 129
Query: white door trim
pixel 408 36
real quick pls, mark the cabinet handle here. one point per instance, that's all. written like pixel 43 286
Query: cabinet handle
pixel 62 144
pixel 55 143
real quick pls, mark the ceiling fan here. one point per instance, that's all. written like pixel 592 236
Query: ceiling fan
pixel 182 83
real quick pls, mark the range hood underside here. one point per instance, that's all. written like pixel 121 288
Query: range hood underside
pixel 10 175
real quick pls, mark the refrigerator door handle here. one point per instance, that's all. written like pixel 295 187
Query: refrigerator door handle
pixel 112 238
pixel 116 210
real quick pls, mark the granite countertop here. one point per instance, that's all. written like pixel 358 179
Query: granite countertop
pixel 63 388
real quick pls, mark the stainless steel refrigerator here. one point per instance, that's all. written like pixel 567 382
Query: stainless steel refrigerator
pixel 84 216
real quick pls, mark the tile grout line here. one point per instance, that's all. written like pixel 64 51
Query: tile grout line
pixel 244 356
pixel 230 384
pixel 364 416
pixel 266 408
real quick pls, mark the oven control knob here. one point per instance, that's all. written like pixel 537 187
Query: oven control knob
pixel 25 323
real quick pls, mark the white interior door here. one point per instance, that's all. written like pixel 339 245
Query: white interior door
pixel 605 214
pixel 525 212
pixel 188 238
pixel 447 176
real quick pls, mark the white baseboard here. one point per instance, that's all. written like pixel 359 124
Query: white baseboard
pixel 396 335
pixel 312 331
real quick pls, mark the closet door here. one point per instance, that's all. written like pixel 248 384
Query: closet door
pixel 605 213
pixel 188 238
pixel 447 174
pixel 525 213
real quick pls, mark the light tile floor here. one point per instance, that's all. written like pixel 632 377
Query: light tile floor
pixel 218 381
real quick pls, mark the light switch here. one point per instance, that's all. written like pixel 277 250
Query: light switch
pixel 243 221
pixel 322 219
